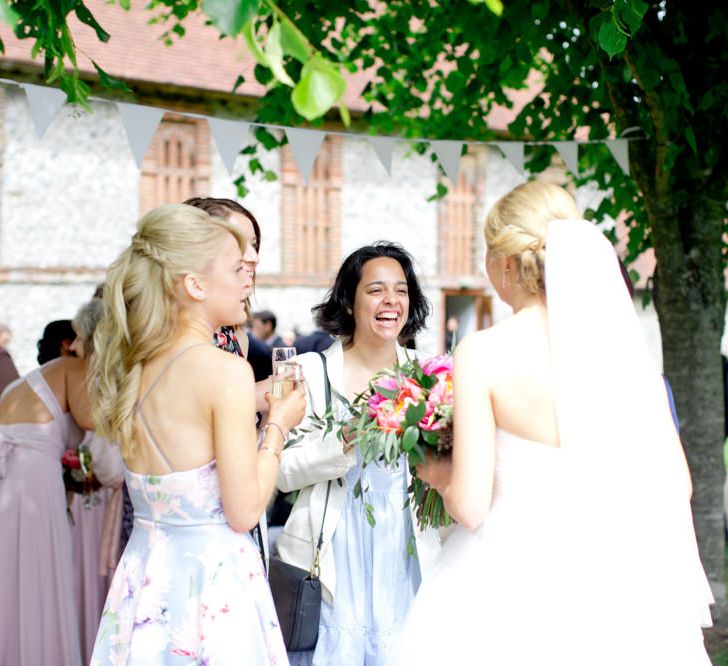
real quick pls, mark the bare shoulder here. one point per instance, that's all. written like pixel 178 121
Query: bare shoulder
pixel 479 343
pixel 65 368
pixel 220 367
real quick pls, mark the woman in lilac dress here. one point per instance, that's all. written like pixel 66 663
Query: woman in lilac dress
pixel 40 415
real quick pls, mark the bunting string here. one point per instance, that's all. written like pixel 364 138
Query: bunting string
pixel 229 135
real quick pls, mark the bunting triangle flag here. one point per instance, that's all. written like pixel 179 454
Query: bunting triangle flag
pixel 513 152
pixel 619 149
pixel 569 151
pixel 304 145
pixel 383 147
pixel 448 152
pixel 228 136
pixel 43 102
pixel 140 123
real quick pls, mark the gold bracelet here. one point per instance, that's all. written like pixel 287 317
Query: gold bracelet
pixel 272 450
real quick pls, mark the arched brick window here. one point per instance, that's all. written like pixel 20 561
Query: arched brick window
pixel 311 215
pixel 177 164
pixel 459 227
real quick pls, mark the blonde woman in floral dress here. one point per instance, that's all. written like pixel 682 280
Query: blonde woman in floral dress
pixel 190 587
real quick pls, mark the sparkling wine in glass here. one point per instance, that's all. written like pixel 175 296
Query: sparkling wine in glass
pixel 286 372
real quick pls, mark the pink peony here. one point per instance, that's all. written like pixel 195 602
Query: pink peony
pixel 441 393
pixel 429 420
pixel 385 382
pixel 389 418
pixel 438 365
pixel 409 392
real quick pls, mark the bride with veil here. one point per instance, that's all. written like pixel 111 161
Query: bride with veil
pixel 575 543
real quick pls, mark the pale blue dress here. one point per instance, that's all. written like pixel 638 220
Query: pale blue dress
pixel 376 578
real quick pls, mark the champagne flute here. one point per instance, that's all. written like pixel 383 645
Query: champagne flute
pixel 285 371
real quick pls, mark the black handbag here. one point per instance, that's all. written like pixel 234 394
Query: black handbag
pixel 297 592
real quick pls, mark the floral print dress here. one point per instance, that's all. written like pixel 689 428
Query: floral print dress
pixel 188 589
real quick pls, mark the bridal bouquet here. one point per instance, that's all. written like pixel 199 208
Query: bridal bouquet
pixel 408 409
pixel 78 475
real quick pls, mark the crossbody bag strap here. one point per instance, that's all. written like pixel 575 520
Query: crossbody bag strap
pixel 327 384
pixel 315 567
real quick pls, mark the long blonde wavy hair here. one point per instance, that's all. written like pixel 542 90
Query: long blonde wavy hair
pixel 142 310
pixel 516 227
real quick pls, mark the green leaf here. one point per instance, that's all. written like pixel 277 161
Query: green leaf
pixel 356 491
pixel 496 6
pixel 690 138
pixel 85 16
pixel 344 113
pixel 252 43
pixel 632 12
pixel 369 511
pixel 390 394
pixel 431 437
pixel 238 82
pixel 410 438
pixel 612 39
pixel 321 86
pixel 293 42
pixel 415 413
pixel 8 14
pixel 274 55
pixel 231 16
pixel 110 81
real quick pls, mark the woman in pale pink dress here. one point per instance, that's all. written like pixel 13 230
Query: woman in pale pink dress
pixel 40 414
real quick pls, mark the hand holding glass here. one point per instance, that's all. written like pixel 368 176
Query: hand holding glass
pixel 286 372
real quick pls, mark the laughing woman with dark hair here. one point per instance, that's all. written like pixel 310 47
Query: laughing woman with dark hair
pixel 367 577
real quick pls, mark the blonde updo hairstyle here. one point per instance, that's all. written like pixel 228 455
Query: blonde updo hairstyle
pixel 516 227
pixel 142 307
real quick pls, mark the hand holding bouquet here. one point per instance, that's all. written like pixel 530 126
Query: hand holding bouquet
pixel 408 409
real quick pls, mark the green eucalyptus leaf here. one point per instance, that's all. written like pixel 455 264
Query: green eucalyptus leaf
pixel 431 437
pixel 231 16
pixel 320 87
pixel 369 511
pixel 415 413
pixel 274 55
pixel 293 41
pixel 410 438
pixel 612 39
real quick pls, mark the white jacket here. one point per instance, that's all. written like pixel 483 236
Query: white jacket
pixel 309 465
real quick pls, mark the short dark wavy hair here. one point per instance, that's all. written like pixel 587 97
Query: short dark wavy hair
pixel 335 314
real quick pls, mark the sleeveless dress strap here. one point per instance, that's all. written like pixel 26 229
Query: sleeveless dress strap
pixel 40 387
pixel 138 406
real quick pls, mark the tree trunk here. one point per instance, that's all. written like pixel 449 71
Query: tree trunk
pixel 690 306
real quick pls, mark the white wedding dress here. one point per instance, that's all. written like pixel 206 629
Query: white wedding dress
pixel 588 555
